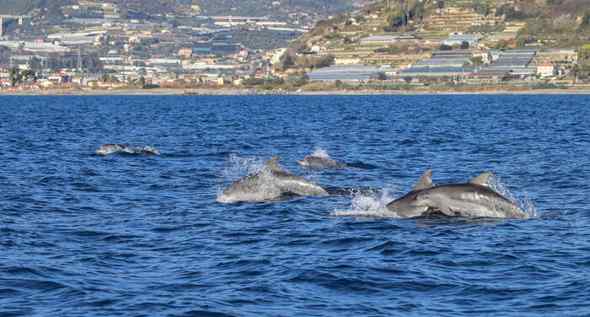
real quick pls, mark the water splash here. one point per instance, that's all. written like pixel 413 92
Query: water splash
pixel 524 202
pixel 237 166
pixel 527 205
pixel 319 152
pixel 373 205
pixel 262 188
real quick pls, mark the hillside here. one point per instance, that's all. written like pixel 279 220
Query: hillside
pixel 210 7
pixel 16 7
pixel 501 23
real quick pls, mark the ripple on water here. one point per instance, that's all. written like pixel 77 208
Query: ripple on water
pixel 82 235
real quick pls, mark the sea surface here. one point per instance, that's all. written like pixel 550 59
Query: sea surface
pixel 83 235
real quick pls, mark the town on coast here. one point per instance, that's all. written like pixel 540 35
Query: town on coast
pixel 389 46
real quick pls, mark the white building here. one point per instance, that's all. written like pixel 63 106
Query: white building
pixel 546 70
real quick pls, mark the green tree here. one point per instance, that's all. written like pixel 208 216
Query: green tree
pixel 315 61
pixel 297 80
pixel 584 53
pixel 477 61
pixel 286 61
pixel 141 82
pixel 582 71
pixel 481 7
pixel 396 19
pixel 28 75
pixel 35 64
pixel 379 76
pixel 15 77
pixel 585 20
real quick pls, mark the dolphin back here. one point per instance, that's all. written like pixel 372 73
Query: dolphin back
pixel 272 183
pixel 469 200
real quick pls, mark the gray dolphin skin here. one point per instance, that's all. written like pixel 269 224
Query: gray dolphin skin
pixel 472 200
pixel 108 149
pixel 319 162
pixel 272 183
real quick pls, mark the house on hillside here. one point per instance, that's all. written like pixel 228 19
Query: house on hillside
pixel 546 70
pixel 457 39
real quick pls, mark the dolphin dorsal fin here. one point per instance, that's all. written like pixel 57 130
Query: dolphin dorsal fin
pixel 483 179
pixel 273 164
pixel 425 181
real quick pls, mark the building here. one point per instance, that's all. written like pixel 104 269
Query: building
pixel 516 63
pixel 185 53
pixel 546 70
pixel 457 39
pixel 387 39
pixel 437 72
pixel 442 64
pixel 345 73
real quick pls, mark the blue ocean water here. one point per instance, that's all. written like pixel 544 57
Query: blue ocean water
pixel 82 235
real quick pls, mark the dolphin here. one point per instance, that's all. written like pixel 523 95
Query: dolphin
pixel 271 183
pixel 475 199
pixel 320 162
pixel 108 149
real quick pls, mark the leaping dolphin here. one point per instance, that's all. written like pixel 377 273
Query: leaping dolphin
pixel 269 184
pixel 108 149
pixel 475 199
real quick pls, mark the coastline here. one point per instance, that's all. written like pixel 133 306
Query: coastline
pixel 258 92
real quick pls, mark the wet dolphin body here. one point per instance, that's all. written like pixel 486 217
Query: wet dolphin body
pixel 473 200
pixel 108 149
pixel 270 184
pixel 320 162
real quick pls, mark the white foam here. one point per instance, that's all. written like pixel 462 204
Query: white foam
pixel 237 166
pixel 319 152
pixel 369 205
pixel 523 202
pixel 527 205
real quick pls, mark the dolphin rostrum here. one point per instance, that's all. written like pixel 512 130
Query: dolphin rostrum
pixel 108 149
pixel 269 184
pixel 475 199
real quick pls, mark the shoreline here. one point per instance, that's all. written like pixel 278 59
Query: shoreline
pixel 256 92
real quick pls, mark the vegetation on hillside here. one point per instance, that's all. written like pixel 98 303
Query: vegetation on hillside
pixel 556 23
pixel 399 14
pixel 583 70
